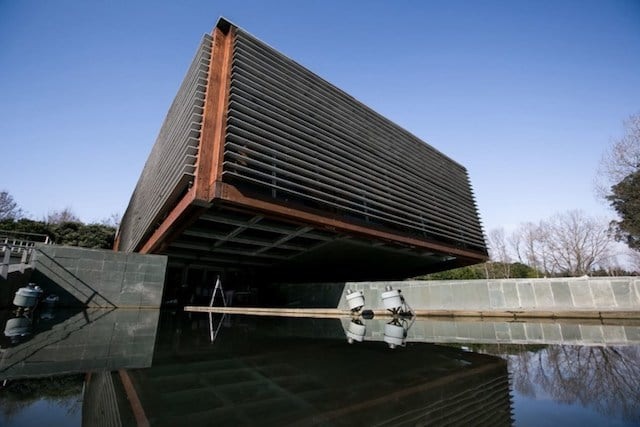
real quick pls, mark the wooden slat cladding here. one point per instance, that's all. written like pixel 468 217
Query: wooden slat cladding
pixel 170 168
pixel 296 139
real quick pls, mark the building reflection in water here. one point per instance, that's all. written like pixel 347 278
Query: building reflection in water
pixel 265 371
pixel 181 368
pixel 48 356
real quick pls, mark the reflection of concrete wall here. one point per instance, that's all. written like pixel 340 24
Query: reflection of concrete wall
pixel 100 278
pixel 511 295
pixel 486 331
pixel 87 341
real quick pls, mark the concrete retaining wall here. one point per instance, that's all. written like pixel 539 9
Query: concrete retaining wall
pixel 536 296
pixel 99 278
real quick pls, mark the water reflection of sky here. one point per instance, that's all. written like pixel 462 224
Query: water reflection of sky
pixel 582 385
pixel 244 370
pixel 541 412
pixel 45 412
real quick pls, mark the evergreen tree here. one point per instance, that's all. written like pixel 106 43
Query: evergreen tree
pixel 625 199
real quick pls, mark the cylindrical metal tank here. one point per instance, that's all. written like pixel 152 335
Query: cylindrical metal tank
pixel 355 299
pixel 27 296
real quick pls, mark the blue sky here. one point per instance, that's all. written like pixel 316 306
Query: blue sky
pixel 526 94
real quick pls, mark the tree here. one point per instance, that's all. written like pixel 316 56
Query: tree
pixel 8 207
pixel 59 217
pixel 112 221
pixel 576 243
pixel 528 241
pixel 625 199
pixel 566 244
pixel 498 250
pixel 621 159
pixel 95 236
pixel 634 260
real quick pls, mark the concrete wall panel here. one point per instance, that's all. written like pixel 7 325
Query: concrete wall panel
pixel 100 278
pixel 511 295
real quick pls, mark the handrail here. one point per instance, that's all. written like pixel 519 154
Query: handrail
pixel 24 248
pixel 6 235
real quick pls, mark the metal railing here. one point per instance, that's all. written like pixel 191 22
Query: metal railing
pixel 16 248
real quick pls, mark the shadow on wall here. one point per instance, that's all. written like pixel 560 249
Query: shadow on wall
pixel 71 290
pixel 100 278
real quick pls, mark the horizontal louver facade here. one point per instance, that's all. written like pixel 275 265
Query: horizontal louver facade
pixel 264 167
pixel 170 168
pixel 294 138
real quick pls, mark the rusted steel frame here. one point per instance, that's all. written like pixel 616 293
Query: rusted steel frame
pixel 134 400
pixel 181 216
pixel 211 150
pixel 231 194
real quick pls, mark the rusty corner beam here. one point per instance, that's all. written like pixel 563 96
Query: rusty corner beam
pixel 176 221
pixel 211 147
pixel 116 242
pixel 134 400
pixel 232 195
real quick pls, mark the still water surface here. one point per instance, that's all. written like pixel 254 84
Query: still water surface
pixel 124 367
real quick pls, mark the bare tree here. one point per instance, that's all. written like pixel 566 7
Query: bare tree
pixel 112 221
pixel 575 243
pixel 528 242
pixel 499 252
pixel 65 215
pixel 8 207
pixel 570 243
pixel 634 259
pixel 515 241
pixel 621 159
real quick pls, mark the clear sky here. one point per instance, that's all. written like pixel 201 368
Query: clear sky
pixel 526 94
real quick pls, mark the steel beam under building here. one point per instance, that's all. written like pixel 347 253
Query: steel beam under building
pixel 262 165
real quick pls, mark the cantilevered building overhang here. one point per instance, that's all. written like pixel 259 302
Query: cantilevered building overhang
pixel 262 165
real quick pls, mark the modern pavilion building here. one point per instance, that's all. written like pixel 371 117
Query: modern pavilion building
pixel 262 167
